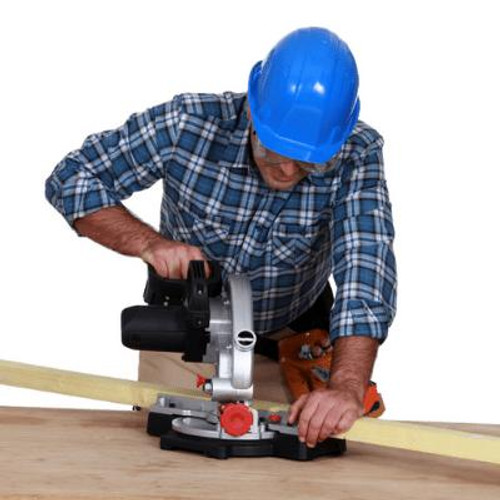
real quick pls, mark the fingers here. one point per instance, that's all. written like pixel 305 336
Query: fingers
pixel 318 418
pixel 208 271
pixel 175 270
pixel 306 433
pixel 181 256
pixel 346 422
pixel 296 408
pixel 161 268
pixel 183 264
pixel 171 258
pixel 323 413
pixel 318 424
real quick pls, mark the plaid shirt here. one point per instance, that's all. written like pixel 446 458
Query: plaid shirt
pixel 287 242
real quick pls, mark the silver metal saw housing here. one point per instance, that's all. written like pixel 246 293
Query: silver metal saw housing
pixel 232 342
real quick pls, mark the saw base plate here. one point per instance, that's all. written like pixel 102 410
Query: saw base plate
pixel 281 445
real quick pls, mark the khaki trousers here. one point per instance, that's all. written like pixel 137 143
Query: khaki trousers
pixel 169 369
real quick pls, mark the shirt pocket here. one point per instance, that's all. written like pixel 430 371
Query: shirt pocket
pixel 297 245
pixel 210 231
pixel 211 235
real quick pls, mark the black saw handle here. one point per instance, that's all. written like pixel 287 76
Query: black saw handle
pixel 161 290
pixel 178 314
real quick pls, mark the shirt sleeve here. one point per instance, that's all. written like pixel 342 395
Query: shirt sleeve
pixel 364 267
pixel 113 164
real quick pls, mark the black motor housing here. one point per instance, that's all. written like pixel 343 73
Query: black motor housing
pixel 178 315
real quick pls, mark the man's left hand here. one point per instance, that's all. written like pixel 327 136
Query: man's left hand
pixel 324 412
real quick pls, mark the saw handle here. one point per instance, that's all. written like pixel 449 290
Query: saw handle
pixel 160 290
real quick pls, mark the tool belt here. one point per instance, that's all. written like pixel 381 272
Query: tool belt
pixel 304 352
pixel 305 361
pixel 317 316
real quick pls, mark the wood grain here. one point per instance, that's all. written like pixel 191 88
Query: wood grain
pixel 97 455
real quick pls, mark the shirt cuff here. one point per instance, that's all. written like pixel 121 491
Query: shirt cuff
pixel 356 317
pixel 78 197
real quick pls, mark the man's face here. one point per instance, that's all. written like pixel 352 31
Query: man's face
pixel 282 175
pixel 278 172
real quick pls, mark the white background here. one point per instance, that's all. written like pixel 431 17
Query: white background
pixel 429 82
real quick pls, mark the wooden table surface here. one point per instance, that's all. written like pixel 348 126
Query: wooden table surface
pixel 87 454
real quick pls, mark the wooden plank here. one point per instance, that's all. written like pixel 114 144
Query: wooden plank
pixel 384 433
pixel 85 385
pixel 98 455
pixel 426 439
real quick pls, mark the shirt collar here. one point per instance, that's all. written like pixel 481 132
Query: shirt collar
pixel 237 132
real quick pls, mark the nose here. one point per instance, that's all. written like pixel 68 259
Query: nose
pixel 289 168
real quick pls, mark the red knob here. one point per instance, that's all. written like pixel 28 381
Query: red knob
pixel 200 380
pixel 274 418
pixel 236 419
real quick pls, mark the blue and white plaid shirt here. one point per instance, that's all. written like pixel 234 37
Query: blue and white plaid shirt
pixel 287 242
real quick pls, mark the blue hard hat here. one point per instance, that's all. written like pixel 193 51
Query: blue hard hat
pixel 304 96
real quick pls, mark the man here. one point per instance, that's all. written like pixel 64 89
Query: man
pixel 282 183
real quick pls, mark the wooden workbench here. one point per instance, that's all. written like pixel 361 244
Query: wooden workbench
pixel 91 455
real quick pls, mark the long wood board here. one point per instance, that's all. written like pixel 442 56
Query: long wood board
pixel 379 432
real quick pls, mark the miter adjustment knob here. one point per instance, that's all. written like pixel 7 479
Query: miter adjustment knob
pixel 236 419
pixel 200 380
pixel 274 418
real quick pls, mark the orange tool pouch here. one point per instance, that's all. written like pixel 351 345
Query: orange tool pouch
pixel 305 361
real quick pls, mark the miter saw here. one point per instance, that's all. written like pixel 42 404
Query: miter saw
pixel 210 323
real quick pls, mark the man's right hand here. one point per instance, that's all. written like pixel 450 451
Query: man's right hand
pixel 171 258
pixel 116 228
